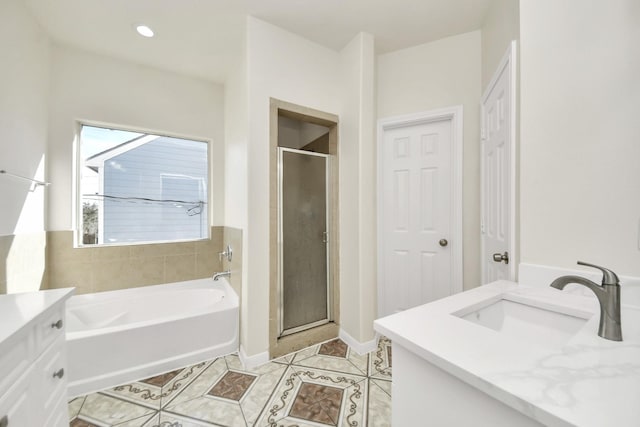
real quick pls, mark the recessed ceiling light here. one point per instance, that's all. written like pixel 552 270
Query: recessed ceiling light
pixel 144 31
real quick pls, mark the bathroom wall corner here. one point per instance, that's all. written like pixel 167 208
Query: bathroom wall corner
pixel 360 347
pixel 250 362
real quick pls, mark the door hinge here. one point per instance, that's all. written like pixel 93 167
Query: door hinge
pixel 483 133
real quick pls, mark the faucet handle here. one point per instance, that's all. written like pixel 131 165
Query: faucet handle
pixel 608 276
pixel 227 253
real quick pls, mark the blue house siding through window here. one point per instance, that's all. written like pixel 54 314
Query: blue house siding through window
pixel 162 169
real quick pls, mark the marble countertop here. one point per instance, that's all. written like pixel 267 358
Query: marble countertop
pixel 589 381
pixel 16 310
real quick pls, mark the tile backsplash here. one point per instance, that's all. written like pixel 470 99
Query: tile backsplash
pixel 96 269
pixel 233 237
pixel 22 262
pixel 48 260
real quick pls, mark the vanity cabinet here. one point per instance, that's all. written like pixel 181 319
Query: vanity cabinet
pixel 33 382
pixel 509 354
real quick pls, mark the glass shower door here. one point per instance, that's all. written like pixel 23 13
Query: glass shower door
pixel 305 298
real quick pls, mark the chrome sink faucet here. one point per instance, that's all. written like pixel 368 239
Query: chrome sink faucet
pixel 608 296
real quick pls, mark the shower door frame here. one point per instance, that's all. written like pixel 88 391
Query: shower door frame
pixel 327 233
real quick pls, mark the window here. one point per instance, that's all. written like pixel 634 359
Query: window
pixel 138 187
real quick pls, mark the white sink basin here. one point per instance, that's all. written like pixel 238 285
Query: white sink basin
pixel 535 325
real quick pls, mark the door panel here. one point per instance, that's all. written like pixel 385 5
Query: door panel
pixel 497 215
pixel 416 182
pixel 304 247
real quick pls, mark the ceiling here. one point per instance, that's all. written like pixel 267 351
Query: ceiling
pixel 201 37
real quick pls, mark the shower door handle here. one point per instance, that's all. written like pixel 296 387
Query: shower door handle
pixel 325 237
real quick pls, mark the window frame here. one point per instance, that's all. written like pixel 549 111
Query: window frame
pixel 76 198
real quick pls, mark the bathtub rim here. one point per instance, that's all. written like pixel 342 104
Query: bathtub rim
pixel 229 301
pixel 119 293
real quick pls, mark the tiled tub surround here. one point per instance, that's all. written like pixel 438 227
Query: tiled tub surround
pixel 585 381
pixel 323 385
pixel 113 337
pixel 106 268
pixel 233 237
pixel 22 262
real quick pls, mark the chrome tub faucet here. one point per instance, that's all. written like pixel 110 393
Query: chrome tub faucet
pixel 608 296
pixel 216 276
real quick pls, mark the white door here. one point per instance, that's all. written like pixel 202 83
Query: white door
pixel 416 215
pixel 498 175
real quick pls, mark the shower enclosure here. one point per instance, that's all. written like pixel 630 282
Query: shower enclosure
pixel 303 229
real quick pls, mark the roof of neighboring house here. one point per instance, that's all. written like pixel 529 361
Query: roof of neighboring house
pixel 97 160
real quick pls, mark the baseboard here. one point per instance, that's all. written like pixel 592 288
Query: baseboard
pixel 359 347
pixel 250 362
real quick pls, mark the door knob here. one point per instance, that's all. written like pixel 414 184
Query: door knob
pixel 443 242
pixel 501 257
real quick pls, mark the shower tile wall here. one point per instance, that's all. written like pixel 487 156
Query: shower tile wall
pixel 96 269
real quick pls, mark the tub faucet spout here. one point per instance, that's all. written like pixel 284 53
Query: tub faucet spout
pixel 216 276
pixel 608 296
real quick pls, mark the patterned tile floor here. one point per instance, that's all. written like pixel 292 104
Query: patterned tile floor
pixel 323 385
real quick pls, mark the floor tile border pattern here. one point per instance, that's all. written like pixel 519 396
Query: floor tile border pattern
pixel 146 393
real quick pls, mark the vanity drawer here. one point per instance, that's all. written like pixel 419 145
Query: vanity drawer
pixel 59 416
pixel 50 327
pixel 51 375
pixel 16 359
pixel 16 405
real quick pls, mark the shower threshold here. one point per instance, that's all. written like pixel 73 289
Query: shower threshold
pixel 304 327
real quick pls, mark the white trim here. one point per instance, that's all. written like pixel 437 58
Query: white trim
pixel 455 115
pixel 360 347
pixel 250 362
pixel 508 64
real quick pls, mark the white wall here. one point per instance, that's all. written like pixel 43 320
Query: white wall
pixel 580 133
pixel 287 67
pixel 90 87
pixel 440 74
pixel 236 111
pixel 24 81
pixel 236 123
pixel 358 189
pixel 501 25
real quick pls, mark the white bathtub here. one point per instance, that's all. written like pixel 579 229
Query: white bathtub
pixel 121 336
